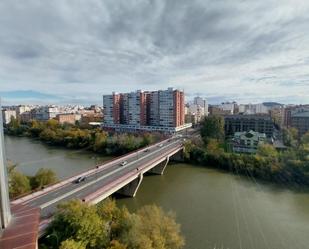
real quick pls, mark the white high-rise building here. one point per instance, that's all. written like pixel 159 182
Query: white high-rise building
pixel 7 116
pixel 203 103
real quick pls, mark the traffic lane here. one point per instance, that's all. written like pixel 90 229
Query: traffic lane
pixel 142 160
pixel 67 188
pixel 96 186
pixel 99 184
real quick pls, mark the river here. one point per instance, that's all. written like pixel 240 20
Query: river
pixel 215 209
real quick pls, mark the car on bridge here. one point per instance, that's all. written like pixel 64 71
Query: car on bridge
pixel 123 163
pixel 80 179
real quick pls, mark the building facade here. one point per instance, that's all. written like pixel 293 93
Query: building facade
pixel 243 123
pixel 68 118
pixel 300 121
pixel 248 142
pixel 202 103
pixel 297 117
pixel 164 108
pixel 7 115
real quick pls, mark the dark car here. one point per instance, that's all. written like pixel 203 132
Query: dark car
pixel 80 179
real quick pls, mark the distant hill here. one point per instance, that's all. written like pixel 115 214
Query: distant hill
pixel 272 104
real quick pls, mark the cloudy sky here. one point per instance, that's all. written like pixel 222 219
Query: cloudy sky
pixel 73 51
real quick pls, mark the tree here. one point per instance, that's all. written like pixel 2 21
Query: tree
pixel 116 245
pixel 290 136
pixel 154 229
pixel 80 222
pixel 72 244
pixel 267 150
pixel 305 138
pixel 43 177
pixel 213 147
pixel 52 124
pixel 78 225
pixel 18 183
pixel 212 128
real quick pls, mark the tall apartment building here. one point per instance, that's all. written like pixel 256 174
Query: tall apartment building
pixel 111 104
pixel 144 110
pixel 153 108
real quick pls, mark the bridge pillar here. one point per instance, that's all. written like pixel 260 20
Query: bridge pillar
pixel 131 188
pixel 159 169
pixel 178 157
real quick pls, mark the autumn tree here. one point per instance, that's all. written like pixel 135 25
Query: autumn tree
pixel 43 177
pixel 79 225
pixel 18 183
pixel 72 244
pixel 80 222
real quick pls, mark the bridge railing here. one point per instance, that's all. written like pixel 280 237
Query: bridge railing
pixel 132 174
pixel 70 179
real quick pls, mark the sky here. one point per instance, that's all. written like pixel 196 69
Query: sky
pixel 74 51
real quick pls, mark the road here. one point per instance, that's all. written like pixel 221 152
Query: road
pixel 49 201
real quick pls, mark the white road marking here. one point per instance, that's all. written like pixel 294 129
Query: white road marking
pixel 99 179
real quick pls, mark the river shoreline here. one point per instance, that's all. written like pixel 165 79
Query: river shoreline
pixel 216 209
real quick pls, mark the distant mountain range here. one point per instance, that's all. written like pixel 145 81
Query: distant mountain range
pixel 272 104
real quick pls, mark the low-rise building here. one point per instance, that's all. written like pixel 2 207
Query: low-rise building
pixel 248 141
pixel 68 118
pixel 44 113
pixel 243 123
pixel 88 118
pixel 216 110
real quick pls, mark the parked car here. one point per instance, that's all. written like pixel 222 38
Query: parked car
pixel 146 150
pixel 123 163
pixel 80 179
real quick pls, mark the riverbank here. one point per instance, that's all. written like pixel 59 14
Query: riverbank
pixel 31 155
pixel 210 205
pixel 76 137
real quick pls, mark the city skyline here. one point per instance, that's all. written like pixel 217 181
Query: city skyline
pixel 61 52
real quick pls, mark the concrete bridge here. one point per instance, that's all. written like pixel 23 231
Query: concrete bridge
pixel 104 180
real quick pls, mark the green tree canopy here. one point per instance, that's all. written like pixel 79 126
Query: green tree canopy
pixel 78 224
pixel 305 138
pixel 18 183
pixel 43 177
pixel 72 244
pixel 212 128
pixel 267 150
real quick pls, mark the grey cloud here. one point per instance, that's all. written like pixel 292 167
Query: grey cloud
pixel 67 46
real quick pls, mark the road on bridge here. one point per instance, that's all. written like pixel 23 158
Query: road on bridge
pixel 49 201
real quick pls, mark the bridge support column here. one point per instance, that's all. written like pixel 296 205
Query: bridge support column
pixel 131 188
pixel 159 169
pixel 178 157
